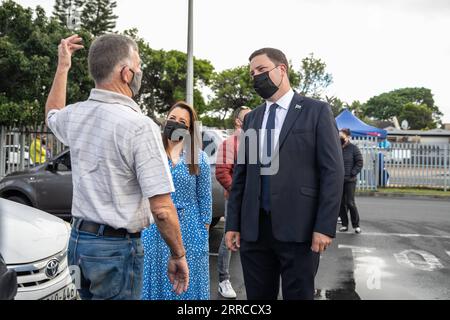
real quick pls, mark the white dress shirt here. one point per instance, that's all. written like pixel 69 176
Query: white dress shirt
pixel 280 115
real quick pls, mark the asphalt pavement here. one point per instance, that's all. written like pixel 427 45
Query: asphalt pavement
pixel 403 253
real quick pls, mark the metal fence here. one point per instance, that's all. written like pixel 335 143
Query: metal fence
pixel 404 165
pixel 23 148
pixel 416 165
pixel 367 179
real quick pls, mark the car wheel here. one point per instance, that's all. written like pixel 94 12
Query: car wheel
pixel 19 199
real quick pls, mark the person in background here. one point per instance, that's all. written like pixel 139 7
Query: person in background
pixel 353 163
pixel 49 149
pixel 38 152
pixel 226 158
pixel 191 174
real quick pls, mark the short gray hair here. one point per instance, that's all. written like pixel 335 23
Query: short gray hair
pixel 106 53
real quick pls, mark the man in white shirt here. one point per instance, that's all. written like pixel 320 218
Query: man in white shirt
pixel 120 172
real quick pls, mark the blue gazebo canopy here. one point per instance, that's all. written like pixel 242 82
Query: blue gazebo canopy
pixel 359 129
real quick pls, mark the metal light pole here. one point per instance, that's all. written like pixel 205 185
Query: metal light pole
pixel 190 56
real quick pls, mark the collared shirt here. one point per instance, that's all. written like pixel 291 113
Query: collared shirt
pixel 284 102
pixel 118 159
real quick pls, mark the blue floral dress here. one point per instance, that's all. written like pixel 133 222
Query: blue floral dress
pixel 193 201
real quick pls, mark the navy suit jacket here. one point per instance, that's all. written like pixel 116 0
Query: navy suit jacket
pixel 306 191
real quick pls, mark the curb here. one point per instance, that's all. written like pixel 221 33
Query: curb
pixel 410 196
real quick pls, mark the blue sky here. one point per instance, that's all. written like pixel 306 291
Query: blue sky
pixel 370 46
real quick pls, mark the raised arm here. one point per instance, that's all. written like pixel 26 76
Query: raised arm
pixel 57 97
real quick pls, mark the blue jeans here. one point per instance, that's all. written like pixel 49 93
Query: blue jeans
pixel 223 260
pixel 111 268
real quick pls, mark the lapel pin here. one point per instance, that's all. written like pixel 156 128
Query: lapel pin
pixel 298 107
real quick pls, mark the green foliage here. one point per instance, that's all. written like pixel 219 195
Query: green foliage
pixel 336 104
pixel 164 78
pixel 28 58
pixel 233 88
pixel 215 122
pixel 313 78
pixel 63 8
pixel 418 116
pixel 390 104
pixel 28 55
pixel 98 16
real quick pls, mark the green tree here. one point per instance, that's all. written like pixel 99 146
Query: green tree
pixel 313 77
pixel 390 104
pixel 28 54
pixel 419 117
pixel 63 8
pixel 233 88
pixel 164 78
pixel 98 16
pixel 357 107
pixel 336 104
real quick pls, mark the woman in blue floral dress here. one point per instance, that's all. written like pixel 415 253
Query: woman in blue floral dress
pixel 193 201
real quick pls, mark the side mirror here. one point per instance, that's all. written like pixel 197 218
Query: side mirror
pixel 52 166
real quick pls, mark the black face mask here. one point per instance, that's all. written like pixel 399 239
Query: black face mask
pixel 343 141
pixel 264 86
pixel 175 131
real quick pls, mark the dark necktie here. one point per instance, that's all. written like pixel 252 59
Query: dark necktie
pixel 267 152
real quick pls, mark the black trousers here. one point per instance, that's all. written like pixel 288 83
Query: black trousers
pixel 264 261
pixel 348 204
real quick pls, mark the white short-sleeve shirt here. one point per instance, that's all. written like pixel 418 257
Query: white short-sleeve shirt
pixel 118 159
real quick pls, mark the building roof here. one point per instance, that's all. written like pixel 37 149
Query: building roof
pixel 430 133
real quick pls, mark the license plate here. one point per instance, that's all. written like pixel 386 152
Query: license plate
pixel 67 293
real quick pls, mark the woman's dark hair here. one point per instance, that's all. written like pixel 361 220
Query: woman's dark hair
pixel 195 142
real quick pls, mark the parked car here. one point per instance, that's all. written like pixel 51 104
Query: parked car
pixel 33 244
pixel 48 187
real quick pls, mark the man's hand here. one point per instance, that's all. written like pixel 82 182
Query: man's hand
pixel 320 242
pixel 57 96
pixel 66 49
pixel 178 273
pixel 233 240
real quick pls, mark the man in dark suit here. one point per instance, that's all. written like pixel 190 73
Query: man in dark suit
pixel 282 213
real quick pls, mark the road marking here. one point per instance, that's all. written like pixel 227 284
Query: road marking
pixel 405 235
pixel 368 269
pixel 419 259
pixel 356 249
